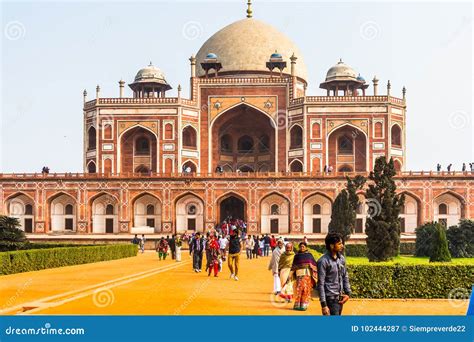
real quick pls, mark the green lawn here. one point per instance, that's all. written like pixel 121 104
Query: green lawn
pixel 409 260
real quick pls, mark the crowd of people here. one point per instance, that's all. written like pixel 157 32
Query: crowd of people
pixel 295 271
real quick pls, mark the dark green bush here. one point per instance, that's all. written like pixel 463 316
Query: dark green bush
pixel 12 234
pixel 423 242
pixel 409 281
pixel 461 239
pixel 38 259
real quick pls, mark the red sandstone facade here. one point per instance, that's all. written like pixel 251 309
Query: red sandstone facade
pixel 270 141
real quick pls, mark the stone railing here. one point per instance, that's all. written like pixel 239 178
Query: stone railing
pixel 342 99
pixel 133 100
pixel 264 175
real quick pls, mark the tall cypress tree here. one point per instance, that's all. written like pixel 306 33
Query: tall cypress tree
pixel 343 213
pixel 383 224
pixel 439 249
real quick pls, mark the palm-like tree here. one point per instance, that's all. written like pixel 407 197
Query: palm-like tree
pixel 9 230
pixel 9 222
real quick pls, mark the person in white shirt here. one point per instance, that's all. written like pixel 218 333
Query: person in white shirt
pixel 249 245
pixel 261 245
pixel 222 246
pixel 273 266
pixel 142 243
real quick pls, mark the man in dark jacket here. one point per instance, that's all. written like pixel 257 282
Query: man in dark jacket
pixel 333 280
pixel 266 245
pixel 172 244
pixel 234 252
pixel 196 249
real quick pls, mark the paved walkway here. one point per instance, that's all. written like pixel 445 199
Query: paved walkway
pixel 144 285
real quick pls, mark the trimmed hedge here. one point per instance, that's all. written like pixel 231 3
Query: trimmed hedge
pixel 6 246
pixel 39 259
pixel 409 281
pixel 360 250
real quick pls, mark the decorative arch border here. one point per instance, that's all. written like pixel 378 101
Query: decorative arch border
pixel 260 202
pixel 137 197
pixel 228 194
pixel 335 129
pixel 274 124
pixel 419 204
pixel 459 197
pixel 119 145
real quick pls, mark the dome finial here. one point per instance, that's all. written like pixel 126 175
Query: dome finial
pixel 249 9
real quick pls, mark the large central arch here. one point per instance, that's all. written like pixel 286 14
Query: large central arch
pixel 243 138
pixel 232 205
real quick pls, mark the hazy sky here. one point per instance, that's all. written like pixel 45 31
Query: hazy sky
pixel 51 51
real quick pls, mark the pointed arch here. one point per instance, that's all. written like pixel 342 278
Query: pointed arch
pixel 103 221
pixel 189 137
pixel 18 193
pixel 239 209
pixel 296 136
pixel 317 209
pixel 454 194
pixel 107 131
pixel 396 136
pixel 91 167
pixel 141 213
pixel 361 158
pixel 275 222
pixel 52 197
pixel 219 126
pixel 296 166
pixel 141 194
pixel 153 147
pixel 191 163
pixel 411 220
pixel 189 212
pixel 237 105
pixel 91 138
pixel 59 219
pixel 100 194
pixel 18 205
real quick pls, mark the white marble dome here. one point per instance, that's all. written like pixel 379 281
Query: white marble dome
pixel 341 71
pixel 246 45
pixel 150 74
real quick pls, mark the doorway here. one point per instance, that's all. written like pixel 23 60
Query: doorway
pixel 316 225
pixel 274 226
pixel 68 224
pixel 28 225
pixel 232 206
pixel 109 225
pixel 191 224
